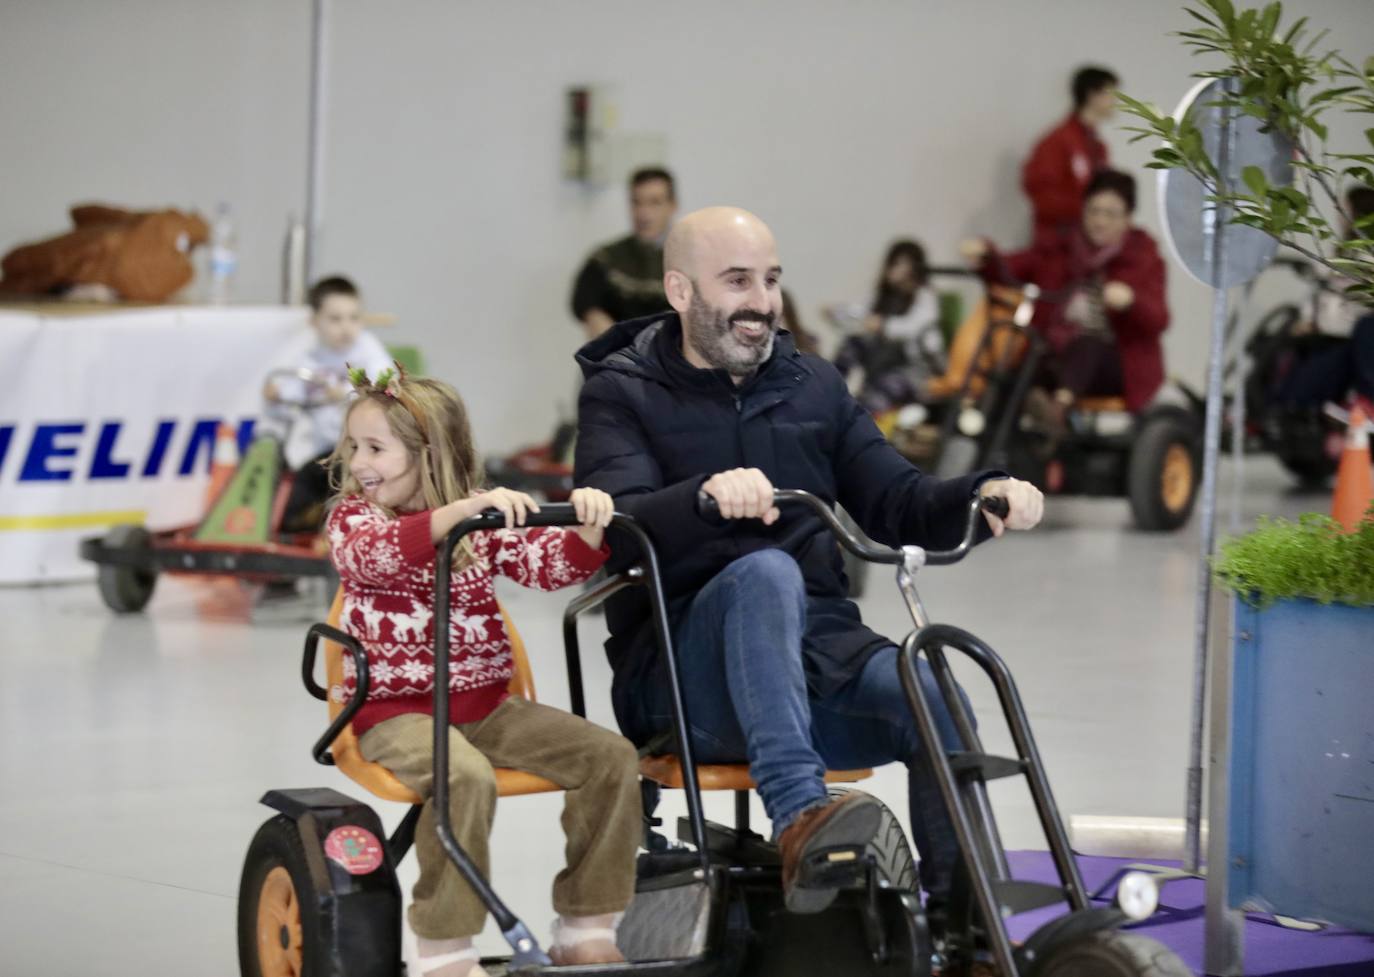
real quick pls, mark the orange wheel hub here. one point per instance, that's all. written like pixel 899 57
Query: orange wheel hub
pixel 279 926
pixel 1176 478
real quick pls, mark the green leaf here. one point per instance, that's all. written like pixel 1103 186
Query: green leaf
pixel 1294 31
pixel 1295 197
pixel 1255 179
pixel 1202 17
pixel 1270 19
pixel 1226 13
pixel 1330 94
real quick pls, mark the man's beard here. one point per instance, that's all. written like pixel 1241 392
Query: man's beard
pixel 711 333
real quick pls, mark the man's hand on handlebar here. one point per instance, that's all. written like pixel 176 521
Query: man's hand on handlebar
pixel 1025 502
pixel 974 250
pixel 743 493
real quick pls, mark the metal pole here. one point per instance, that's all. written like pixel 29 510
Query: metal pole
pixel 1238 430
pixel 314 174
pixel 1216 228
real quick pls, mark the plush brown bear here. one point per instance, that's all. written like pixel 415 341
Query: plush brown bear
pixel 142 256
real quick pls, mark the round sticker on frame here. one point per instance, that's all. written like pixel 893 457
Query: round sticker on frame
pixel 355 849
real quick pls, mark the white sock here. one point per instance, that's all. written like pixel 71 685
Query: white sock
pixel 448 958
pixel 570 931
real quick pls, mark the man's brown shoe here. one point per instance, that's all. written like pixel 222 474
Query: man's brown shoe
pixel 829 835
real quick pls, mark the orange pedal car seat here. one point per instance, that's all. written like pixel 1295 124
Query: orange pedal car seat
pixel 964 347
pixel 377 778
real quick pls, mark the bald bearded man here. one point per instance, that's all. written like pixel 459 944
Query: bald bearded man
pixel 777 666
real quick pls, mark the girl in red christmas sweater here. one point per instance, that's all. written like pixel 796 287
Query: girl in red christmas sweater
pixel 409 474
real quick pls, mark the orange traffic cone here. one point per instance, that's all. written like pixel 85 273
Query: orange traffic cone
pixel 1354 480
pixel 222 463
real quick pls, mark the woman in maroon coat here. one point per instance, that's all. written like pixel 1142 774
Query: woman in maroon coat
pixel 1104 308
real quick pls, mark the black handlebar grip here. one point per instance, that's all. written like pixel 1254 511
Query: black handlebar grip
pixel 996 505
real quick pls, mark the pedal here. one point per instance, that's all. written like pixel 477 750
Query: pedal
pixel 837 867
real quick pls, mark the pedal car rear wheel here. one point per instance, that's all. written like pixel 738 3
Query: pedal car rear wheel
pixel 279 935
pixel 1113 953
pixel 126 589
pixel 1163 473
pixel 889 847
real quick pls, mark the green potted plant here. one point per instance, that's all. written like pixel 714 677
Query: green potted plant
pixel 1302 718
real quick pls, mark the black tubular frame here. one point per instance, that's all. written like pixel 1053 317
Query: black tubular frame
pixel 974 829
pixel 864 548
pixel 525 949
pixel 572 647
pixel 320 751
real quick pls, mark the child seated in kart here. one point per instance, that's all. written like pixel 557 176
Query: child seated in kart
pixel 895 343
pixel 1102 307
pixel 408 473
pixel 336 315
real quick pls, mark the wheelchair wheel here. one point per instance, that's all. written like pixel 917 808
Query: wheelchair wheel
pixel 126 589
pixel 1113 953
pixel 1163 473
pixel 889 847
pixel 278 929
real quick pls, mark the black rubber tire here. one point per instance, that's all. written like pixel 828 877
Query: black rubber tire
pixel 277 845
pixel 1299 440
pixel 1145 478
pixel 1113 953
pixel 126 589
pixel 1311 473
pixel 889 846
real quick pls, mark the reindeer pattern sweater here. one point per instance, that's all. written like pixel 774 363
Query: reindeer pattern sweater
pixel 386 566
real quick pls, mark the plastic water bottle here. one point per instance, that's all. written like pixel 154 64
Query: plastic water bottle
pixel 224 255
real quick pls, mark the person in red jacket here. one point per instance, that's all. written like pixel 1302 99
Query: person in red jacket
pixel 1104 309
pixel 1067 157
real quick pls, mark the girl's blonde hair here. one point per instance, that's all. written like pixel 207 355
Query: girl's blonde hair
pixel 431 422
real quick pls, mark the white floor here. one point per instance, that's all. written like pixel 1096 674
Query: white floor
pixel 136 747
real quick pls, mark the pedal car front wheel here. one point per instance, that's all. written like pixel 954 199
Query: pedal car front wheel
pixel 278 934
pixel 1113 953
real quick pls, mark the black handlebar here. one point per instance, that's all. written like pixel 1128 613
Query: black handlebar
pixel 320 751
pixel 859 544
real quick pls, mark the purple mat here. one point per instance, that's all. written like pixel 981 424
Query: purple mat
pixel 1270 950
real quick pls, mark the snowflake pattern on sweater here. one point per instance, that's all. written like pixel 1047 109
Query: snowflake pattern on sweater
pixel 386 566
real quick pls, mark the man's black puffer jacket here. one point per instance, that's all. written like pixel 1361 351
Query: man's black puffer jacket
pixel 652 428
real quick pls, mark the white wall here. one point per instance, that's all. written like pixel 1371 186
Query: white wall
pixel 155 103
pixel 842 124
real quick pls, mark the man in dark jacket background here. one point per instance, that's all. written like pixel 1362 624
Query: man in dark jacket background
pixel 777 666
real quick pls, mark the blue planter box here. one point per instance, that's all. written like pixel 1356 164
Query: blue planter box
pixel 1301 839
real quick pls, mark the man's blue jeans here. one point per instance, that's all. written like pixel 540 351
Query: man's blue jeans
pixel 739 647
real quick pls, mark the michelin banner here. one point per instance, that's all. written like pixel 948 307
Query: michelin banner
pixel 111 417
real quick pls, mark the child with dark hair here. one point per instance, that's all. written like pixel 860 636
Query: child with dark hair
pixel 895 341
pixel 336 315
